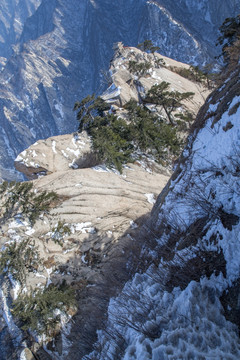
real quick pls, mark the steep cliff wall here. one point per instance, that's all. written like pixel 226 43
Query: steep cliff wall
pixel 13 15
pixel 185 304
pixel 87 237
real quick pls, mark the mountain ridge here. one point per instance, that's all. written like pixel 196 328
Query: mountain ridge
pixel 86 235
pixel 62 66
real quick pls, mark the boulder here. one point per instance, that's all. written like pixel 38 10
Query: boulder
pixel 58 153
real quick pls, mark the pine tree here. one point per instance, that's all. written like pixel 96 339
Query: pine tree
pixel 168 100
pixel 230 34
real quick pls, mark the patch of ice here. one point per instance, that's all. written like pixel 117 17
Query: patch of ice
pixel 23 355
pixel 54 146
pixel 133 225
pixel 83 259
pixel 59 108
pixel 16 223
pixel 39 275
pixel 64 154
pixel 75 152
pixel 150 198
pixel 33 164
pixel 49 272
pixel 84 227
pixel 100 168
pixel 14 331
pixel 29 231
pixel 16 286
pixel 19 158
pixel 73 165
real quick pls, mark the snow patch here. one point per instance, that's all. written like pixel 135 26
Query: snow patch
pixel 54 146
pixel 150 198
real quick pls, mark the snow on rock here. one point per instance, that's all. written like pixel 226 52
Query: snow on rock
pixel 14 331
pixel 150 198
pixel 26 354
pixel 157 324
pixel 54 154
pixel 127 86
pixel 83 227
pixel 175 309
pixel 97 208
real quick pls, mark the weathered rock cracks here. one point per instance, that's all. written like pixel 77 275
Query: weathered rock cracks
pixel 90 237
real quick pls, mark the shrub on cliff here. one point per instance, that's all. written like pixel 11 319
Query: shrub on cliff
pixel 41 310
pixel 230 37
pixel 19 198
pixel 139 69
pixel 147 45
pixel 88 109
pixel 18 258
pixel 117 141
pixel 151 134
pixel 169 101
pixel 111 139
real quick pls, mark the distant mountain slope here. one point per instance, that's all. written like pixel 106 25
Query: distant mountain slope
pixel 64 46
pixel 13 14
pixel 201 19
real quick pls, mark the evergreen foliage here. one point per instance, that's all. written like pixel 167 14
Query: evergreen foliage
pixel 88 109
pixel 18 258
pixel 41 310
pixel 139 69
pixel 59 231
pixel 117 141
pixel 151 134
pixel 112 141
pixel 19 198
pixel 230 34
pixel 147 45
pixel 169 101
pixel 203 76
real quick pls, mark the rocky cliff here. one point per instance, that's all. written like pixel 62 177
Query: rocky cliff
pixel 13 15
pixel 60 50
pixel 74 152
pixel 89 236
pixel 186 304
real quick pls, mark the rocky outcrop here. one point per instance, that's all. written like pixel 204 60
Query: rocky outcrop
pixel 88 235
pixel 59 61
pixel 193 276
pixel 58 153
pixel 97 205
pixel 126 85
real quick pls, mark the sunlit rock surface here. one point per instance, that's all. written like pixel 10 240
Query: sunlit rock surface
pixel 60 50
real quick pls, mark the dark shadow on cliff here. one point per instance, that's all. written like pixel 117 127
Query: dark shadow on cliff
pixel 104 274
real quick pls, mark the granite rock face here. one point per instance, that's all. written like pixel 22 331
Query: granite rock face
pixel 58 153
pixel 126 85
pixel 61 47
pixel 74 150
pixel 100 211
pixel 195 222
